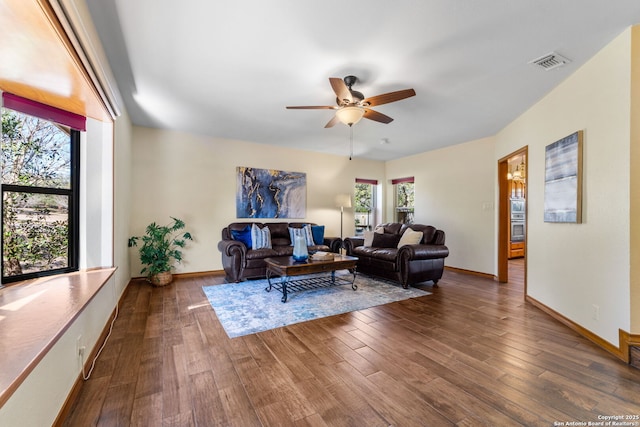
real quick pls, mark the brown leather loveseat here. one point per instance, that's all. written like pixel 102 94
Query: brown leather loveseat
pixel 407 264
pixel 241 260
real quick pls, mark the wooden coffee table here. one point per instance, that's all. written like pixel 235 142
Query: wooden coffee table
pixel 314 271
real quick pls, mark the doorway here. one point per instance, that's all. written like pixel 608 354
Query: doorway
pixel 512 213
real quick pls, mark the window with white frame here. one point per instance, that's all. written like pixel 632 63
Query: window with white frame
pixel 404 197
pixel 365 204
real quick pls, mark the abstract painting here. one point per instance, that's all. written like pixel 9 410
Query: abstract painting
pixel 563 180
pixel 269 193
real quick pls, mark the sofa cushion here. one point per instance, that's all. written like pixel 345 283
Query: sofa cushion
pixel 318 234
pixel 385 240
pixel 243 236
pixel 260 237
pixel 375 254
pixel 260 254
pixel 392 228
pixel 410 237
pixel 279 233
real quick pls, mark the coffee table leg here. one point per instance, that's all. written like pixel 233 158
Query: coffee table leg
pixel 268 288
pixel 353 283
pixel 284 288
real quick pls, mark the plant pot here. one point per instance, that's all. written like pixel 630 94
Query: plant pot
pixel 161 279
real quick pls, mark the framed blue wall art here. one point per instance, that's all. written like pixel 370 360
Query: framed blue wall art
pixel 269 193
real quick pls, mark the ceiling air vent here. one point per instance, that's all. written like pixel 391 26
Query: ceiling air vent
pixel 550 61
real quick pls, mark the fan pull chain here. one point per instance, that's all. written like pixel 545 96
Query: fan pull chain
pixel 350 141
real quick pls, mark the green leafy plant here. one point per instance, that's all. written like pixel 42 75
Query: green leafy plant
pixel 161 246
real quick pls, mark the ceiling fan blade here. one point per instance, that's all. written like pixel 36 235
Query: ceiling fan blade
pixel 312 107
pixel 341 89
pixel 386 98
pixel 332 122
pixel 378 117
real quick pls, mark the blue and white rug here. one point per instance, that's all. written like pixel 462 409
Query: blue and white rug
pixel 246 307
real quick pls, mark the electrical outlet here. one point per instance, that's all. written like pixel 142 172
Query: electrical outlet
pixel 596 312
pixel 79 346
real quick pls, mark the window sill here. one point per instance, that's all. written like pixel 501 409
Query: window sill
pixel 33 317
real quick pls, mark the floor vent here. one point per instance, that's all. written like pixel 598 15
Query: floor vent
pixel 550 61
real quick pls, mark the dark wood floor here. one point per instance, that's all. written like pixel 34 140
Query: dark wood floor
pixel 472 353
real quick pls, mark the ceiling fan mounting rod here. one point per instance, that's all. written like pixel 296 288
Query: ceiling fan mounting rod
pixel 350 81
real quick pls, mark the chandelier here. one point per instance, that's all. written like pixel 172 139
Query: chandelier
pixel 518 174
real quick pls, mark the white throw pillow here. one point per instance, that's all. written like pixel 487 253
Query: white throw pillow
pixel 410 237
pixel 304 231
pixel 260 237
pixel 368 238
pixel 308 235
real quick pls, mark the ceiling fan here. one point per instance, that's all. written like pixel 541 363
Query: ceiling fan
pixel 352 105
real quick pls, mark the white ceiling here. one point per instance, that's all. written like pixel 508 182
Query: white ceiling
pixel 228 68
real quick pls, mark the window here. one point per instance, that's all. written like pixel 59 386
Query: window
pixel 404 200
pixel 40 165
pixel 365 204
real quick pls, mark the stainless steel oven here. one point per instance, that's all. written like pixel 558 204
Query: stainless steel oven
pixel 518 228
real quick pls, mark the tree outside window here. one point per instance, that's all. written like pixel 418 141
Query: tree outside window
pixel 363 206
pixel 37 196
pixel 404 199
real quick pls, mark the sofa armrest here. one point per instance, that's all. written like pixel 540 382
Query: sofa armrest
pixel 233 258
pixel 232 247
pixel 439 238
pixel 418 252
pixel 335 243
pixel 350 243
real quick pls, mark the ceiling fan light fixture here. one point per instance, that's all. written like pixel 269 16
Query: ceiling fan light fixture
pixel 350 115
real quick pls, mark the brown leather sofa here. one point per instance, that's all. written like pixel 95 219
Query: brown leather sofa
pixel 407 265
pixel 240 262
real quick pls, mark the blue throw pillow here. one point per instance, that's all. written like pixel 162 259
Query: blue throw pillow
pixel 243 236
pixel 318 234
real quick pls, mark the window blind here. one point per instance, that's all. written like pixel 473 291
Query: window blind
pixel 366 181
pixel 401 180
pixel 43 111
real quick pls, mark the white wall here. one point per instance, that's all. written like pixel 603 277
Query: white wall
pixel 122 200
pixel 572 267
pixel 193 178
pixel 454 191
pixel 96 195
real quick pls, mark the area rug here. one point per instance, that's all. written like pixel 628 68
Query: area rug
pixel 246 307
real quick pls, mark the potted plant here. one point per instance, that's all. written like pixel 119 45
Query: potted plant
pixel 161 246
